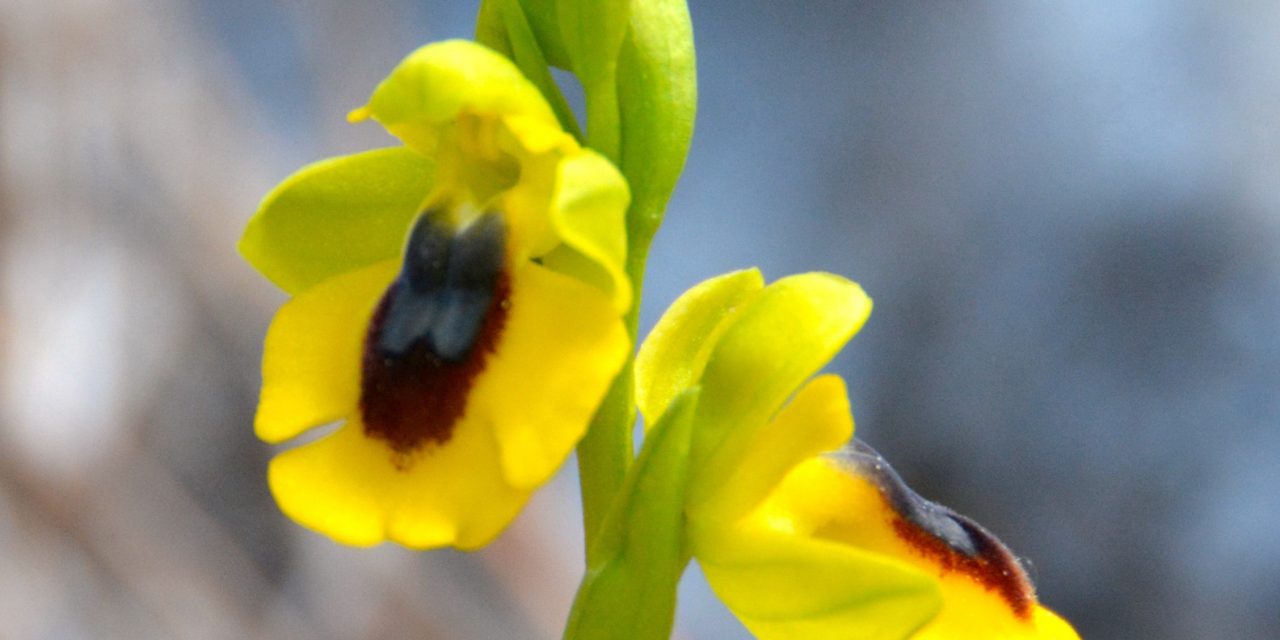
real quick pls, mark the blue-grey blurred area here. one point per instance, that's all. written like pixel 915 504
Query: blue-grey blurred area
pixel 1067 214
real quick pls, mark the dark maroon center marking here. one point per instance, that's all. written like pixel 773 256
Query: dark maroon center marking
pixel 993 566
pixel 953 541
pixel 433 332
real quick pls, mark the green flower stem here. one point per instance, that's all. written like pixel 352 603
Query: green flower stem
pixel 636 63
pixel 637 557
pixel 606 452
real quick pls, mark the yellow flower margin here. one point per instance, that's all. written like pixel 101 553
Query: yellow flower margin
pixel 797 542
pixel 478 138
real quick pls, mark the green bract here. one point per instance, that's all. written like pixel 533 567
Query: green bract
pixel 593 31
pixel 657 98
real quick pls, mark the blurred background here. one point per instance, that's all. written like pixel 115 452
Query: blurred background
pixel 1066 212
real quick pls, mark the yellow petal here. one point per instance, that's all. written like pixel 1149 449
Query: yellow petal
pixel 816 420
pixel 789 330
pixel 672 357
pixel 355 490
pixel 311 359
pixel 562 345
pixel 588 213
pixel 783 586
pixel 1044 625
pixel 1051 626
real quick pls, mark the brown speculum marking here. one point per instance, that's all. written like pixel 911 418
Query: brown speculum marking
pixel 954 542
pixel 433 331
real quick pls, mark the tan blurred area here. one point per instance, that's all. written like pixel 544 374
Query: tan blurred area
pixel 132 494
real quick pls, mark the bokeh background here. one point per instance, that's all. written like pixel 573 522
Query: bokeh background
pixel 1066 213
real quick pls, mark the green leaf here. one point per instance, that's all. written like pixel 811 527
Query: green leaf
pixel 634 565
pixel 657 99
pixel 673 355
pixel 337 215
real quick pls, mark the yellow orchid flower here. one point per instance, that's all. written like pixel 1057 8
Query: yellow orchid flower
pixel 457 307
pixel 797 541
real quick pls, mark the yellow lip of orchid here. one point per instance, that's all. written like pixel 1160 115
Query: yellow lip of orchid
pixel 926 572
pixel 986 591
pixel 935 534
pixel 457 307
pixel 870 558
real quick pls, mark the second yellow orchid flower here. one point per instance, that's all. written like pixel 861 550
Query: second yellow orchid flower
pixel 799 537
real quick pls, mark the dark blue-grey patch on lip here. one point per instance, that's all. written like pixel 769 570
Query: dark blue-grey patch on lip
pixel 445 288
pixel 953 541
pixel 958 532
